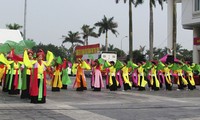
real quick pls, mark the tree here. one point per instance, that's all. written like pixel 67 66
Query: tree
pixel 110 47
pixel 57 51
pixel 137 56
pixel 14 26
pixel 152 3
pixel 87 31
pixel 72 38
pixel 135 2
pixel 120 53
pixel 107 24
pixel 142 48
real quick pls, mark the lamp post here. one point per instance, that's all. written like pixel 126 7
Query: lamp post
pixel 122 39
pixel 25 8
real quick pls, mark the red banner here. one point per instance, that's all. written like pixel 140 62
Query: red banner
pixel 88 49
pixel 197 41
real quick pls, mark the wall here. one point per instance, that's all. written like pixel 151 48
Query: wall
pixel 190 18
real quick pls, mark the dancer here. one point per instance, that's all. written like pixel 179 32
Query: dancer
pixel 113 83
pixel 126 82
pixel 141 78
pixel 38 84
pixel 181 81
pixel 27 75
pixel 155 84
pixel 167 77
pixel 189 76
pixel 80 81
pixel 56 81
pixel 98 80
pixel 65 77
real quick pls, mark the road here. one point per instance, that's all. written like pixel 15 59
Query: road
pixel 105 105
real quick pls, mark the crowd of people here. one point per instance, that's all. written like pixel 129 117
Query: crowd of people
pixel 27 76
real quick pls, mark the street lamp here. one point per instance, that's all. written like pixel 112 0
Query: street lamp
pixel 25 8
pixel 122 39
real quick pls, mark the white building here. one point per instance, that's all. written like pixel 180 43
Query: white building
pixel 7 34
pixel 190 20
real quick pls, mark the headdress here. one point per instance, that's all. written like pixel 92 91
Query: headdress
pixel 41 52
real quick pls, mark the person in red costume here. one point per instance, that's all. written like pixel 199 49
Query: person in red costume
pixel 38 83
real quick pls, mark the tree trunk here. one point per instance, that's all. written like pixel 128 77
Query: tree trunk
pixel 86 41
pixel 106 41
pixel 130 31
pixel 174 28
pixel 151 32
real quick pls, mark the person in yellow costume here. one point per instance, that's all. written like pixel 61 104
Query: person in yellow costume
pixel 181 81
pixel 141 78
pixel 155 84
pixel 56 81
pixel 113 83
pixel 2 71
pixel 80 80
pixel 190 77
pixel 125 77
pixel 167 77
pixel 6 77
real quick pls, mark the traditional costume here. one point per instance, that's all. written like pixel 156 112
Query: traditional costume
pixel 167 78
pixel 126 82
pixel 189 77
pixel 80 81
pixel 181 81
pixel 98 80
pixel 15 82
pixel 113 83
pixel 65 77
pixel 141 78
pixel 155 84
pixel 27 75
pixel 38 83
pixel 2 71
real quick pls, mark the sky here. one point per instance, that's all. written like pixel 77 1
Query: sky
pixel 49 20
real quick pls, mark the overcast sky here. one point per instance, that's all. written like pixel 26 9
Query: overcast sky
pixel 48 20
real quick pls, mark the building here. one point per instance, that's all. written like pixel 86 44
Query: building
pixel 190 20
pixel 7 34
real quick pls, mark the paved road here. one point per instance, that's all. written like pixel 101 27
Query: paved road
pixel 105 105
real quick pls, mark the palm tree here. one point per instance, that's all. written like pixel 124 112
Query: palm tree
pixel 105 25
pixel 14 26
pixel 111 47
pixel 87 31
pixel 72 38
pixel 135 2
pixel 152 3
pixel 141 49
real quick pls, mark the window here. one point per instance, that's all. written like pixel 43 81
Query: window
pixel 196 5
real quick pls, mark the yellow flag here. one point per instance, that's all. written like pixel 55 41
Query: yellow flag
pixel 49 57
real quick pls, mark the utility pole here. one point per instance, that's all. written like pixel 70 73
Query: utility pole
pixel 25 10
